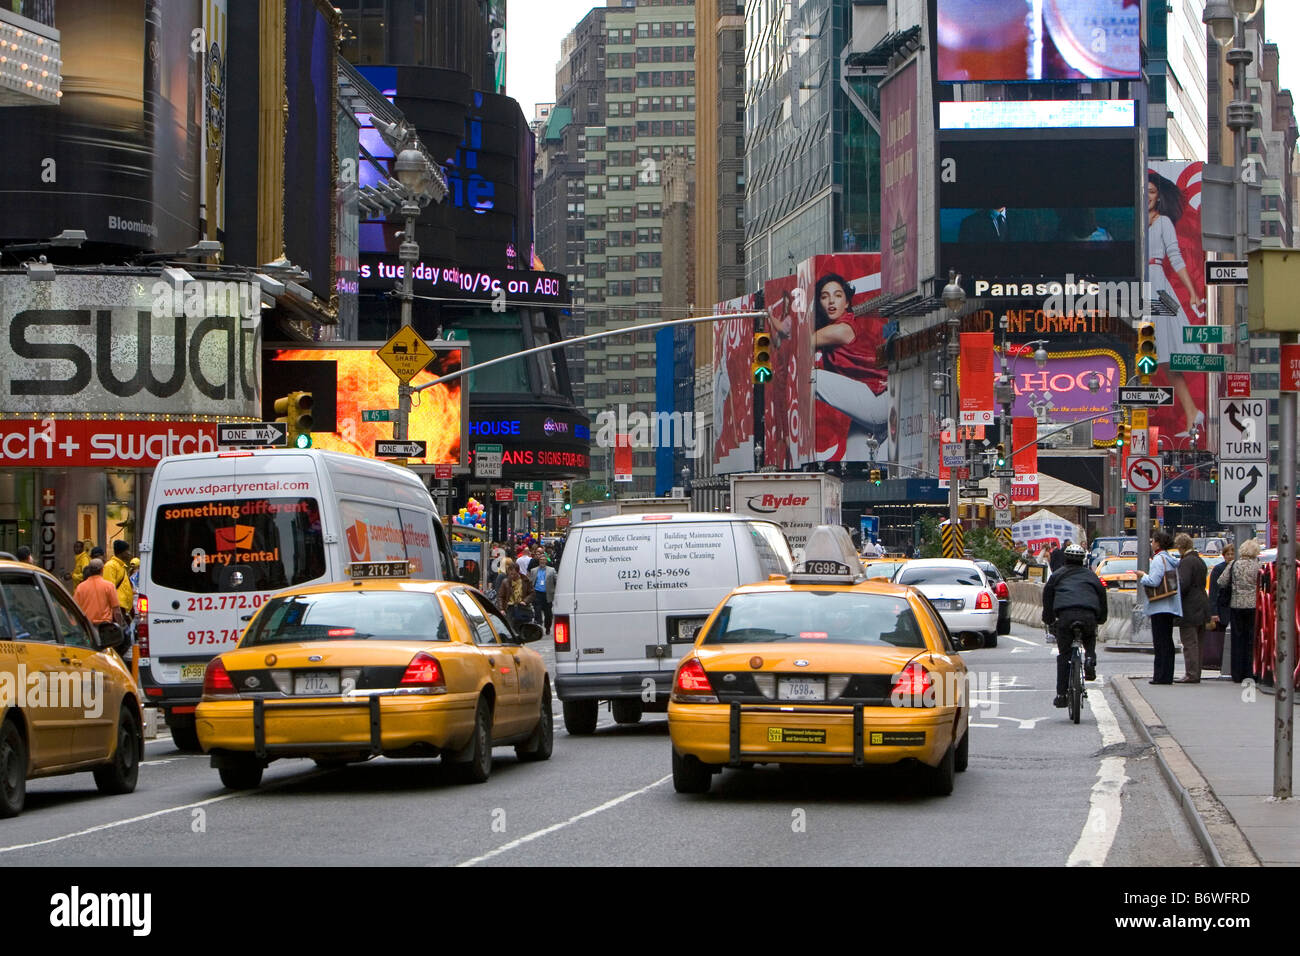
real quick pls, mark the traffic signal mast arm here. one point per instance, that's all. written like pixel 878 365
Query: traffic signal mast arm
pixel 1067 425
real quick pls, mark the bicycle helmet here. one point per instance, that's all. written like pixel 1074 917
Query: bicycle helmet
pixel 1074 554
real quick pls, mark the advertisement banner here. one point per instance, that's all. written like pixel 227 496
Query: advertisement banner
pixel 733 387
pixel 623 458
pixel 909 392
pixel 787 401
pixel 1024 435
pixel 70 443
pixel 344 382
pixel 1176 267
pixel 1058 393
pixel 849 384
pixel 898 188
pixel 975 378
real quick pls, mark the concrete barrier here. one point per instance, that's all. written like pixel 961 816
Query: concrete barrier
pixel 1121 613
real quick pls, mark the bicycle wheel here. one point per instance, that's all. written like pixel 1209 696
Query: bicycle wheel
pixel 1076 684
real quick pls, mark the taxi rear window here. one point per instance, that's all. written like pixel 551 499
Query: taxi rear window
pixel 349 616
pixel 817 617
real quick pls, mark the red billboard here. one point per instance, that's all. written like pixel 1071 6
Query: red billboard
pixel 733 387
pixel 787 399
pixel 898 185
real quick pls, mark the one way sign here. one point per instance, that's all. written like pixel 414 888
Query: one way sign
pixel 1243 492
pixel 252 435
pixel 399 449
pixel 1243 431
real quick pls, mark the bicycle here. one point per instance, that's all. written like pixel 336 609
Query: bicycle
pixel 1075 691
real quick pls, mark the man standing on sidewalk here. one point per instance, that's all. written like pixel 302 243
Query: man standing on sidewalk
pixel 1196 607
pixel 543 580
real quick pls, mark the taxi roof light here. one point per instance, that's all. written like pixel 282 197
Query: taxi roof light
pixel 828 558
pixel 423 670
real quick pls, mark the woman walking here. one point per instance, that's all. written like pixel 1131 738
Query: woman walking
pixel 1196 607
pixel 1163 609
pixel 1241 577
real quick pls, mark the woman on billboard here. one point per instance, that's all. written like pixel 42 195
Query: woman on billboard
pixel 847 378
pixel 1164 209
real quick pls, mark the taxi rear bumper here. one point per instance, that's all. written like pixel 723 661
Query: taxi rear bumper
pixel 369 725
pixel 856 735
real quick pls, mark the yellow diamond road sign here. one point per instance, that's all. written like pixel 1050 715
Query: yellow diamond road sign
pixel 406 354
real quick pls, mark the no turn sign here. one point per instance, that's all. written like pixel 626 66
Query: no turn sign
pixel 1001 501
pixel 1145 476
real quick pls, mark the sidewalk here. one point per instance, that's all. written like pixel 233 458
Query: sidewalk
pixel 1215 746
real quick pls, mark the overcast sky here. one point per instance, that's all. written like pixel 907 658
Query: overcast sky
pixel 536 27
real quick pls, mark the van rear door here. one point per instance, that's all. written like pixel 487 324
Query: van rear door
pixel 697 568
pixel 614 618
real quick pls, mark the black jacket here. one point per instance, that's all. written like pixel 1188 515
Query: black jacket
pixel 1074 586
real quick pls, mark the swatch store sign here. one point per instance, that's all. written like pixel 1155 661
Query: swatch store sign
pixel 86 345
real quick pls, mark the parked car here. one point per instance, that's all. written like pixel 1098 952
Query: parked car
pixel 1001 591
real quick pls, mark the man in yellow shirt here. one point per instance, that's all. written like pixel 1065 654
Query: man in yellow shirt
pixel 80 558
pixel 117 573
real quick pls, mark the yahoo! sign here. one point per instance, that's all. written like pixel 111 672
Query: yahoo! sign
pixel 1059 393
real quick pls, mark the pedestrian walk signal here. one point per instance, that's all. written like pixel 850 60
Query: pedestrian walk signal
pixel 294 410
pixel 762 366
pixel 1147 358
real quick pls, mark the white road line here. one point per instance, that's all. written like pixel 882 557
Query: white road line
pixel 537 834
pixel 1012 637
pixel 1105 805
pixel 157 813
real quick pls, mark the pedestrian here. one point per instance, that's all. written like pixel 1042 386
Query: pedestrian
pixel 1220 606
pixel 524 561
pixel 1241 578
pixel 24 554
pixel 1058 557
pixel 543 582
pixel 97 597
pixel 1164 603
pixel 513 595
pixel 80 558
pixel 1196 607
pixel 117 570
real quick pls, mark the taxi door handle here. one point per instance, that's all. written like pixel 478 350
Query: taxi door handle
pixel 492 661
pixel 74 661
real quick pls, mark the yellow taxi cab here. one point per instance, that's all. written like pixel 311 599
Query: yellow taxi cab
pixel 823 667
pixel 882 568
pixel 67 702
pixel 377 665
pixel 1119 572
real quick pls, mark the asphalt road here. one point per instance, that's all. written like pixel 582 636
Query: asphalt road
pixel 1040 791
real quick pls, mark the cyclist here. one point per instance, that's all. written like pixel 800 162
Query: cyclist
pixel 1074 594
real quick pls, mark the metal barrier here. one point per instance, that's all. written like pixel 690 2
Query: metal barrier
pixel 1266 624
pixel 1126 623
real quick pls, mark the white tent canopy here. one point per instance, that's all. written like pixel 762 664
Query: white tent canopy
pixel 1052 493
pixel 1043 525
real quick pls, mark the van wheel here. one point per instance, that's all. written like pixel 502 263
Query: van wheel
pixel 185 734
pixel 690 774
pixel 626 711
pixel 121 775
pixel 540 744
pixel 580 717
pixel 242 774
pixel 13 770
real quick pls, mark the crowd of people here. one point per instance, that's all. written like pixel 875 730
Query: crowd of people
pixel 520 579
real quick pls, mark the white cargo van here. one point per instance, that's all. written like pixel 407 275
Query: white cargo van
pixel 225 531
pixel 631 593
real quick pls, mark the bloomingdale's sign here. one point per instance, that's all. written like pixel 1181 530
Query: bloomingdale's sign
pixel 95 343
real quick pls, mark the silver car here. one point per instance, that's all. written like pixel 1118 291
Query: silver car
pixel 960 592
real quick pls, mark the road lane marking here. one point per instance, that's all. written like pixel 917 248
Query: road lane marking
pixel 537 834
pixel 113 824
pixel 1104 804
pixel 1023 641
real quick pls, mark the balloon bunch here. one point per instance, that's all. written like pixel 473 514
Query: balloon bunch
pixel 472 514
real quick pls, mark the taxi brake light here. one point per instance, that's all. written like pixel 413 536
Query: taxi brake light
pixel 424 669
pixel 912 681
pixel 691 678
pixel 562 633
pixel 216 680
pixel 984 602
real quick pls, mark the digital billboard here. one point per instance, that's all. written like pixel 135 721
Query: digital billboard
pixel 984 41
pixel 1026 203
pixel 1176 267
pixel 346 381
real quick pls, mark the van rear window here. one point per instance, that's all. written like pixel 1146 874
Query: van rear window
pixel 244 544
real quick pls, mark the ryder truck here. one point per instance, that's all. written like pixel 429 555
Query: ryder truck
pixel 798 501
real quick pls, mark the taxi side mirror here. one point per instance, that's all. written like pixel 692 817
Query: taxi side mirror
pixel 530 632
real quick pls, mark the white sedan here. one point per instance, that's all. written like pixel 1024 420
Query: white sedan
pixel 960 593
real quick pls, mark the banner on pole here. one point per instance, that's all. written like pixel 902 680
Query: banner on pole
pixel 975 381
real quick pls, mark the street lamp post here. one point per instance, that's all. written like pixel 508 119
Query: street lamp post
pixel 954 298
pixel 415 175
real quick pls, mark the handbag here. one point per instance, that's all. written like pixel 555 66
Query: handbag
pixel 1168 586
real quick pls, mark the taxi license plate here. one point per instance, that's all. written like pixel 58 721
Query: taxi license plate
pixel 315 683
pixel 801 688
pixel 192 673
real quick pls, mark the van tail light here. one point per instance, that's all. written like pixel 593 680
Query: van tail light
pixel 562 642
pixel 692 683
pixel 423 671
pixel 1105 582
pixel 216 680
pixel 142 624
pixel 911 686
pixel 984 602
pixel 1002 591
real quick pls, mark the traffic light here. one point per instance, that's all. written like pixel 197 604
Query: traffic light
pixel 568 500
pixel 762 366
pixel 875 476
pixel 1002 455
pixel 1146 351
pixel 1214 476
pixel 295 411
pixel 1121 434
